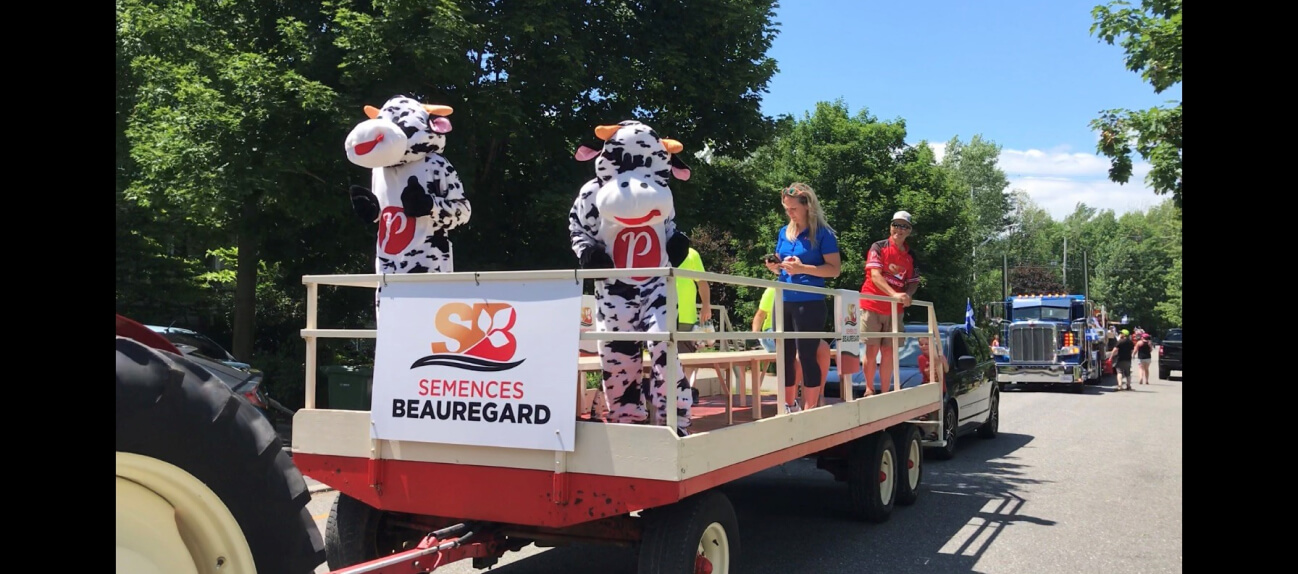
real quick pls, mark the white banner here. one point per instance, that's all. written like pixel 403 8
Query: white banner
pixel 490 364
pixel 847 318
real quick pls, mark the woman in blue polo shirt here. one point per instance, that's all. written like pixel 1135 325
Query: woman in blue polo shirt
pixel 808 252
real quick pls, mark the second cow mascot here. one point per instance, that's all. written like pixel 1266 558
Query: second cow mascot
pixel 625 219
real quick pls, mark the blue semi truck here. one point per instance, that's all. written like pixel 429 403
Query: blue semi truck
pixel 1051 340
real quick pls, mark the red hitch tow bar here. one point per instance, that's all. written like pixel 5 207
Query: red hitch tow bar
pixel 436 545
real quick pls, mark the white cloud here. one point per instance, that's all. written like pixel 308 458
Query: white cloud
pixel 1059 179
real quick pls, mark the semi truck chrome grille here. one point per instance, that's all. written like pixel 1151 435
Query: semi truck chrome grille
pixel 1032 343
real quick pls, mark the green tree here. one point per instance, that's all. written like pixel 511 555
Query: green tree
pixel 863 170
pixel 1151 38
pixel 1033 248
pixel 224 127
pixel 1165 223
pixel 973 167
pixel 1132 272
pixel 538 77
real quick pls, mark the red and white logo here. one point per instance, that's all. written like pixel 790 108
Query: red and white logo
pixel 396 231
pixel 478 337
pixel 637 248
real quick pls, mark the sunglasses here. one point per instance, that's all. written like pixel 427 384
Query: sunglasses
pixel 901 226
pixel 791 192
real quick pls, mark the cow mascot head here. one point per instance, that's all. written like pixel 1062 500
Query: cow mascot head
pixel 415 195
pixel 625 219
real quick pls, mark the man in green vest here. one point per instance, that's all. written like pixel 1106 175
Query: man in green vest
pixel 687 315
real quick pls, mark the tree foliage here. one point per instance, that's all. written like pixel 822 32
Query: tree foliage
pixel 231 183
pixel 1151 38
pixel 862 170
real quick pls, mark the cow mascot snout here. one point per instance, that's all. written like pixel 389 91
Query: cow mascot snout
pixel 625 219
pixel 415 195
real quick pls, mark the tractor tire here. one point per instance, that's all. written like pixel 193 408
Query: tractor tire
pixel 201 476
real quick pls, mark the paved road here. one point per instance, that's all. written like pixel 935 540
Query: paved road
pixel 1074 484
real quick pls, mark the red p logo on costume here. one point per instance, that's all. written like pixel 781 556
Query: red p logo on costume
pixel 478 337
pixel 636 248
pixel 396 231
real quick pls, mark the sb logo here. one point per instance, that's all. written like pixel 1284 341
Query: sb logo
pixel 487 335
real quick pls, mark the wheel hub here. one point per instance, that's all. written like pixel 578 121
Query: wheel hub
pixel 886 476
pixel 713 551
pixel 168 521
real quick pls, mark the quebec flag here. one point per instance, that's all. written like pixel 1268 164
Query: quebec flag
pixel 968 316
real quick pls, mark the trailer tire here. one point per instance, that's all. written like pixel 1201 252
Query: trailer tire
pixel 950 432
pixel 357 532
pixel 872 476
pixel 188 447
pixel 910 450
pixel 678 536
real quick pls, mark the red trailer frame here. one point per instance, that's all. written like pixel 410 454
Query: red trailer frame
pixel 456 501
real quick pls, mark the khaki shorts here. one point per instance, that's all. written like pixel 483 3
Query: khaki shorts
pixel 877 323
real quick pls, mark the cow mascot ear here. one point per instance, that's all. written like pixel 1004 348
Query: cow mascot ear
pixel 437 118
pixel 679 169
pixel 586 153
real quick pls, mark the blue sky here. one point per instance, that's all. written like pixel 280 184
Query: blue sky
pixel 1025 74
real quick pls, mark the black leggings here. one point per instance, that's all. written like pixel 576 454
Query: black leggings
pixel 803 316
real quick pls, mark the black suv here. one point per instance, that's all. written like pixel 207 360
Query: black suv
pixel 1169 354
pixel 972 400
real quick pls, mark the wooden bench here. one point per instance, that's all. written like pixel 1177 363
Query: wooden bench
pixel 726 363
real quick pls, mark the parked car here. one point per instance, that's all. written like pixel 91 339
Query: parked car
pixel 972 398
pixel 1169 354
pixel 241 377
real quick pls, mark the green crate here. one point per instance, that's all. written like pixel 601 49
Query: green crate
pixel 349 388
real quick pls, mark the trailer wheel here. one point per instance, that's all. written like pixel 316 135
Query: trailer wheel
pixel 202 481
pixel 357 532
pixel 911 453
pixel 950 432
pixel 872 473
pixel 698 534
pixel 991 427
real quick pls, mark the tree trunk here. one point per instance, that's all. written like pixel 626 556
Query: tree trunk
pixel 245 283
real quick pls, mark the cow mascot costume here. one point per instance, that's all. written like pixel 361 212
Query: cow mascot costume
pixel 623 219
pixel 417 196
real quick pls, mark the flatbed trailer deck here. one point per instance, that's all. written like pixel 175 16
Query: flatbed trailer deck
pixel 631 484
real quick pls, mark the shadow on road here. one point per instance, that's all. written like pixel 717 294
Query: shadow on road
pixel 794 518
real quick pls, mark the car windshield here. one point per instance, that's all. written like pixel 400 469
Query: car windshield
pixel 1026 313
pixel 1173 335
pixel 201 345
